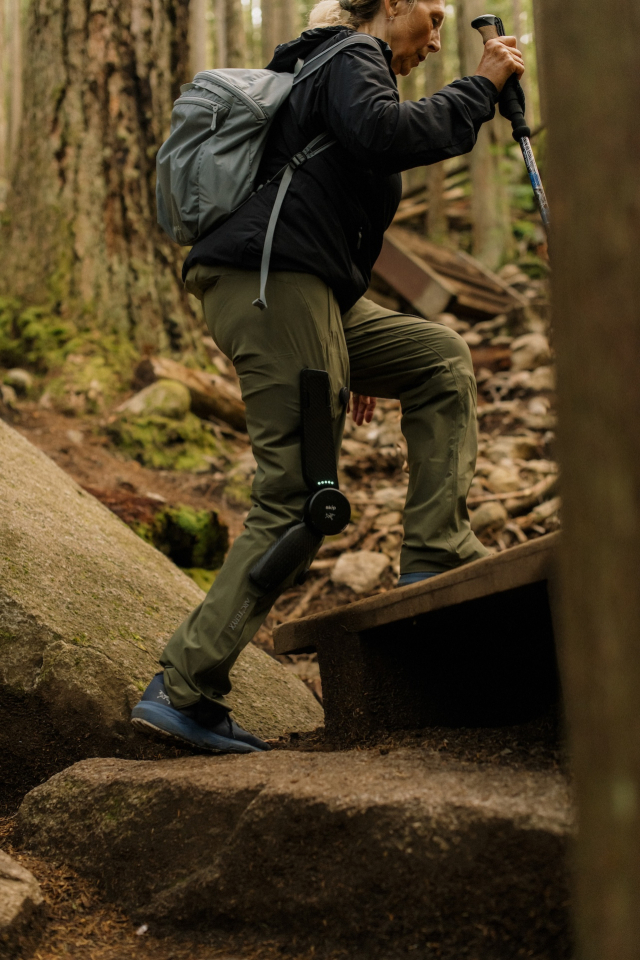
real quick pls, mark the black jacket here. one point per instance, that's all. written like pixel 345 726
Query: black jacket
pixel 340 203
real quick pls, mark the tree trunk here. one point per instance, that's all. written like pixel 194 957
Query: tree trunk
pixel 540 60
pixel 16 78
pixel 82 231
pixel 516 7
pixel 197 36
pixel 280 23
pixel 436 221
pixel 3 106
pixel 488 200
pixel 593 64
pixel 235 35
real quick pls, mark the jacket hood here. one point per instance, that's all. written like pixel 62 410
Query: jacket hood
pixel 286 54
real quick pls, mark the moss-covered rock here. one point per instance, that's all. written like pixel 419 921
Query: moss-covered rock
pixel 189 537
pixel 164 398
pixel 86 608
pixel 192 538
pixel 156 428
pixel 165 443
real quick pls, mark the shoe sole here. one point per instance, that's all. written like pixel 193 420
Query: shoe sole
pixel 154 719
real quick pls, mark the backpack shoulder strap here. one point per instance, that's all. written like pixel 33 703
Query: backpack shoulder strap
pixel 311 66
pixel 317 145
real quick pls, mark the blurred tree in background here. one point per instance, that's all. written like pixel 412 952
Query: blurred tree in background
pixel 77 174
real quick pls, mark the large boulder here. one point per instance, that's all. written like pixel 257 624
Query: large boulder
pixel 86 607
pixel 387 853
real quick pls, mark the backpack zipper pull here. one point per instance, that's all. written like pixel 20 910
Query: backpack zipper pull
pixel 359 239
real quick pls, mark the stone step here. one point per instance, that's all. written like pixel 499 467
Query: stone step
pixel 382 853
pixel 472 647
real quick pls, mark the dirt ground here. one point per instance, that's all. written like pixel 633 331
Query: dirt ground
pixel 79 923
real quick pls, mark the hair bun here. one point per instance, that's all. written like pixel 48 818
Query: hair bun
pixel 346 5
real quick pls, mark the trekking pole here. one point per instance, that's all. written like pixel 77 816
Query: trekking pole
pixel 511 100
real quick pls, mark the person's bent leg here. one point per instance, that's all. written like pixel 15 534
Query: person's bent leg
pixel 301 328
pixel 428 368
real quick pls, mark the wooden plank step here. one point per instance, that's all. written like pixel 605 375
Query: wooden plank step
pixel 474 646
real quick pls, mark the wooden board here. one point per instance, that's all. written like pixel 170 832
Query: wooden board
pixel 526 564
pixel 434 278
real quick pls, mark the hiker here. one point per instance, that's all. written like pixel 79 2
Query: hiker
pixel 328 237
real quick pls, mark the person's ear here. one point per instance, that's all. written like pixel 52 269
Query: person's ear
pixel 391 9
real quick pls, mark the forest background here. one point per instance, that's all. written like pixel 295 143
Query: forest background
pixel 85 101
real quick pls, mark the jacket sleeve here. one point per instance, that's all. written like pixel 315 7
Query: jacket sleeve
pixel 362 109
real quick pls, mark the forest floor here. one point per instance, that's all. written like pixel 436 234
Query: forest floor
pixel 515 486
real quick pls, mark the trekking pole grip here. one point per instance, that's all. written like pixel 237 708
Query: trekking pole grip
pixel 511 96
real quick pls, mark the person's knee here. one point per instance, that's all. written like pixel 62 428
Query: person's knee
pixel 456 350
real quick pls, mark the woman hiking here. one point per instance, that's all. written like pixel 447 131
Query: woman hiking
pixel 328 237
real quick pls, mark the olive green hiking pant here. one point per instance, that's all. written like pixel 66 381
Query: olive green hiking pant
pixel 374 352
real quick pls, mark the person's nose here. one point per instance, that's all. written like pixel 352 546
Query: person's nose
pixel 434 44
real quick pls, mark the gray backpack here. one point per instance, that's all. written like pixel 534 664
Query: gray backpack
pixel 207 167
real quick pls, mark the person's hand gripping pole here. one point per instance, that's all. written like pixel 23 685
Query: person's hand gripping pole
pixel 511 103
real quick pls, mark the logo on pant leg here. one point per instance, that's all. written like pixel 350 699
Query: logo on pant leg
pixel 240 614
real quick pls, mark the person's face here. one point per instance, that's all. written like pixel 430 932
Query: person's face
pixel 414 32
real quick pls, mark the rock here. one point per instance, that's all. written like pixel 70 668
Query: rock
pixel 489 517
pixel 542 379
pixel 504 479
pixel 379 852
pixel 85 610
pixel 165 398
pixel 8 395
pixel 211 395
pixel 360 570
pixel 391 498
pixel 156 428
pixel 20 903
pixel 511 448
pixel 530 351
pixel 21 380
pixel 76 437
pixel 450 320
pixel 472 338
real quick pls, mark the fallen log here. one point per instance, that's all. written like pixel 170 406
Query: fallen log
pixel 211 395
pixel 434 278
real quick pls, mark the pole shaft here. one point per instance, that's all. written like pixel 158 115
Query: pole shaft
pixel 536 182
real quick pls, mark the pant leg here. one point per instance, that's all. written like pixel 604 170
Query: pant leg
pixel 301 328
pixel 428 368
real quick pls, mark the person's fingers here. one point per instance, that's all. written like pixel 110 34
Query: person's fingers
pixel 508 41
pixel 371 406
pixel 362 408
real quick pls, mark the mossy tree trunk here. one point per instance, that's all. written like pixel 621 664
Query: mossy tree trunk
pixel 80 231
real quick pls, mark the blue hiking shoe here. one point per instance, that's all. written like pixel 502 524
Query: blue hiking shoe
pixel 405 579
pixel 203 726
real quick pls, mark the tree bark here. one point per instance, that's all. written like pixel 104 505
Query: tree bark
pixel 436 221
pixel 16 76
pixel 82 232
pixel 235 35
pixel 488 199
pixel 197 36
pixel 280 23
pixel 516 8
pixel 592 66
pixel 3 106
